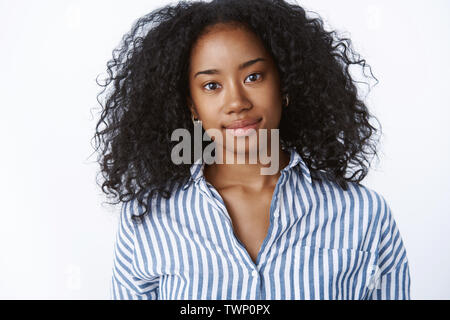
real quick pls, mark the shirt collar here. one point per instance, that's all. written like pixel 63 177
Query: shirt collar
pixel 296 162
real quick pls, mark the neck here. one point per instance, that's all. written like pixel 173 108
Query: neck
pixel 246 175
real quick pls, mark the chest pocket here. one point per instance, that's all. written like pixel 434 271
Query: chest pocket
pixel 335 274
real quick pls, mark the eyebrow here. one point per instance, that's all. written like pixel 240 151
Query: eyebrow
pixel 241 66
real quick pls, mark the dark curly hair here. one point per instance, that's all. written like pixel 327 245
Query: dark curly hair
pixel 144 94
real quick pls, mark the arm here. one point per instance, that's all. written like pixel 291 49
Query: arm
pixel 126 284
pixel 391 279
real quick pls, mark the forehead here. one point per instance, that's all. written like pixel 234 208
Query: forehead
pixel 227 46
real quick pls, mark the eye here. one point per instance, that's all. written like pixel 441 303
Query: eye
pixel 209 86
pixel 254 76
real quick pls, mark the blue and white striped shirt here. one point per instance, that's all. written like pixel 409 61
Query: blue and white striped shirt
pixel 322 243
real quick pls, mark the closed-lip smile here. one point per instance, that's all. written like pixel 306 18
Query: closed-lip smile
pixel 238 124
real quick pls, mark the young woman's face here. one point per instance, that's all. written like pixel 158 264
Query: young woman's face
pixel 233 77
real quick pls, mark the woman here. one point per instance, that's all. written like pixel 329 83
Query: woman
pixel 215 230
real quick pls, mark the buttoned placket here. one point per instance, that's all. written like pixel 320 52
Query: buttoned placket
pixel 218 203
pixel 253 268
pixel 247 263
pixel 274 216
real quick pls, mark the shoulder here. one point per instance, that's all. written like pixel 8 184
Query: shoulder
pixel 132 210
pixel 129 211
pixel 358 196
pixel 156 207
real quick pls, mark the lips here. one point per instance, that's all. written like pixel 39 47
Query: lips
pixel 241 124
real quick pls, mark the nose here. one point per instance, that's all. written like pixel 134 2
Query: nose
pixel 236 99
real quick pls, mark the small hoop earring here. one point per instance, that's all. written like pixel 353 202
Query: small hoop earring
pixel 195 121
pixel 286 98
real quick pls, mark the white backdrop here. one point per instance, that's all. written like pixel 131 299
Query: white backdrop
pixel 56 237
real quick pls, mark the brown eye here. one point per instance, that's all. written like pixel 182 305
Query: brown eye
pixel 210 86
pixel 254 76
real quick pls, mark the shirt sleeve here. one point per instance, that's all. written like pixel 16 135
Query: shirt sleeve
pixel 126 284
pixel 391 277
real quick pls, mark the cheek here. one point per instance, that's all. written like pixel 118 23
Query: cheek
pixel 272 114
pixel 210 118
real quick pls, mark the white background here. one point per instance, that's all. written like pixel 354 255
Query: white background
pixel 56 233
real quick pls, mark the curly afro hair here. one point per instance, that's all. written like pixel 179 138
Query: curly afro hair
pixel 143 97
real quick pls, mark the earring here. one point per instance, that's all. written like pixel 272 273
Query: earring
pixel 286 98
pixel 196 121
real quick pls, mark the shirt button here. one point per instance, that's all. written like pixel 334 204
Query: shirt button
pixel 254 273
pixel 276 214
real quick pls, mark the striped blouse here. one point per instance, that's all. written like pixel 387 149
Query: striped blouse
pixel 322 243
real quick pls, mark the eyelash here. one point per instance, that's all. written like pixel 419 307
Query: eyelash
pixel 256 73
